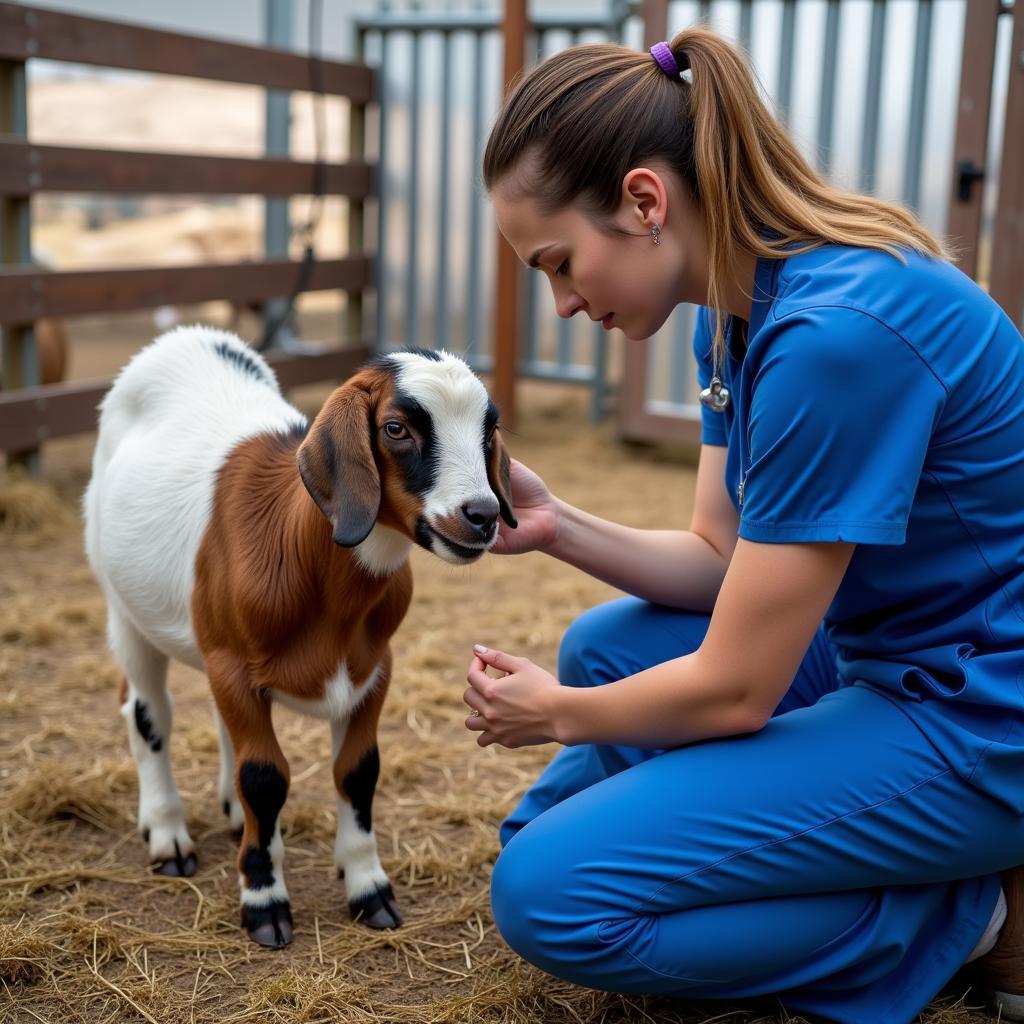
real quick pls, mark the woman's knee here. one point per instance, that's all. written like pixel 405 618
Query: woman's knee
pixel 623 637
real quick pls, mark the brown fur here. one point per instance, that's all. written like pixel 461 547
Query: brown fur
pixel 51 350
pixel 277 603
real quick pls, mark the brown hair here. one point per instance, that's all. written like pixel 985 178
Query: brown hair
pixel 589 114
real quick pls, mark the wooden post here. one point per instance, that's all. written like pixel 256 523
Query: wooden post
pixel 1006 281
pixel 356 151
pixel 507 304
pixel 971 146
pixel 18 357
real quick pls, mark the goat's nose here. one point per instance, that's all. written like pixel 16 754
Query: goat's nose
pixel 481 514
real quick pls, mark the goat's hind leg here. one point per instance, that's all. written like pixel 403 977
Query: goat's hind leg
pixel 371 900
pixel 147 712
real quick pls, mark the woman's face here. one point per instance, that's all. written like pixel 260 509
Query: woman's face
pixel 617 277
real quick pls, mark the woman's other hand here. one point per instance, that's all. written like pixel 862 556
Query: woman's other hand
pixel 536 511
pixel 516 710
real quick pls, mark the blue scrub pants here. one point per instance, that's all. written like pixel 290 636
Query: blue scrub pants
pixel 832 860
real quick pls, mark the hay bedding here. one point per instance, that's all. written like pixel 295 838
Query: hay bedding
pixel 88 934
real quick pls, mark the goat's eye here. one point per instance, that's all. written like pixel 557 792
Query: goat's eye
pixel 395 430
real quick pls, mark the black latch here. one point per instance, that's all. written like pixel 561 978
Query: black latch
pixel 967 173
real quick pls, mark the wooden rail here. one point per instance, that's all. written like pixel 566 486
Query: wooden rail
pixel 30 32
pixel 26 168
pixel 30 416
pixel 28 293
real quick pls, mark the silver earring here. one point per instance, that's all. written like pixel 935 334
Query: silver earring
pixel 656 233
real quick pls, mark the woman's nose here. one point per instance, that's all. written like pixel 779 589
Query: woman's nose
pixel 568 304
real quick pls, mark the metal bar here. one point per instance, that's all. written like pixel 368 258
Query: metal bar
pixel 472 329
pixel 473 21
pixel 32 415
pixel 26 169
pixel 746 23
pixel 785 85
pixel 829 67
pixel 356 215
pixel 970 150
pixel 918 104
pixel 28 293
pixel 507 306
pixel 30 32
pixel 1006 285
pixel 384 195
pixel 441 325
pixel 412 277
pixel 276 133
pixel 682 339
pixel 873 97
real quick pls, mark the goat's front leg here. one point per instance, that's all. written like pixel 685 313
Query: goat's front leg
pixel 356 768
pixel 261 779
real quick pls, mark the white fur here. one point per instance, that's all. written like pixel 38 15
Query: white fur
pixel 457 403
pixel 341 696
pixel 166 427
pixel 277 891
pixel 383 551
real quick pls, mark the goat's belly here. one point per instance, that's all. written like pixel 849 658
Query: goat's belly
pixel 341 696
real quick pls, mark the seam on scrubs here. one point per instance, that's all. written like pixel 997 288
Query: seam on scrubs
pixel 981 553
pixel 779 317
pixel 792 835
pixel 835 940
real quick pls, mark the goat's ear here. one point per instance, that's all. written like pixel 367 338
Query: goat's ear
pixel 337 466
pixel 498 466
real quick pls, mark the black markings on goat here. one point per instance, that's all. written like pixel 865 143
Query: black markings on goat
pixel 359 785
pixel 242 360
pixel 145 726
pixel 264 789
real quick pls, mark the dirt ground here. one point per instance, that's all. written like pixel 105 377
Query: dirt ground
pixel 88 934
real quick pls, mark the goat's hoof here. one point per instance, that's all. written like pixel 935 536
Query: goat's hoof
pixel 177 866
pixel 270 926
pixel 377 909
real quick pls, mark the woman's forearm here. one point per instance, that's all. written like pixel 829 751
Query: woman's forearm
pixel 677 568
pixel 669 705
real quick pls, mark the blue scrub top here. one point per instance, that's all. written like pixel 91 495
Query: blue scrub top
pixel 882 403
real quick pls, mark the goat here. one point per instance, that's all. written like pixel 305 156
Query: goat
pixel 51 350
pixel 230 536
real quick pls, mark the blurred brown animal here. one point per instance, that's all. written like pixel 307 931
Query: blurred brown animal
pixel 52 348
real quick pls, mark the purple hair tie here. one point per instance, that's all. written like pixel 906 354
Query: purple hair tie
pixel 665 59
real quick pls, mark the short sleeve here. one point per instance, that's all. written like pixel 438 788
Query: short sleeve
pixel 713 426
pixel 842 411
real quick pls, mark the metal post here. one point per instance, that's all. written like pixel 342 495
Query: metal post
pixel 918 104
pixel 1006 283
pixel 276 231
pixel 19 359
pixel 873 99
pixel 356 212
pixel 829 64
pixel 507 307
pixel 971 146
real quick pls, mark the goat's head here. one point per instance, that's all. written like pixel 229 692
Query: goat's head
pixel 411 442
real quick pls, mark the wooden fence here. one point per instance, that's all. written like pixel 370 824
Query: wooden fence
pixel 31 413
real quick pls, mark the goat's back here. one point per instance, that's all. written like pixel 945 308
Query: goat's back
pixel 166 427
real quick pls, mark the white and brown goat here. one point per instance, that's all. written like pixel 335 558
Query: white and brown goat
pixel 229 535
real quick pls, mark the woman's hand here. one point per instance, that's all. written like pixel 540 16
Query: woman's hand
pixel 516 710
pixel 535 509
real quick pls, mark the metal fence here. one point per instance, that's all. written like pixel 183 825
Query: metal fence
pixel 867 87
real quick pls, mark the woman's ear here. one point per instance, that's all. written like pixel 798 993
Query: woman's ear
pixel 644 198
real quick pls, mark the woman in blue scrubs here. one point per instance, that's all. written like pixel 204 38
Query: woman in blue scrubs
pixel 793 759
